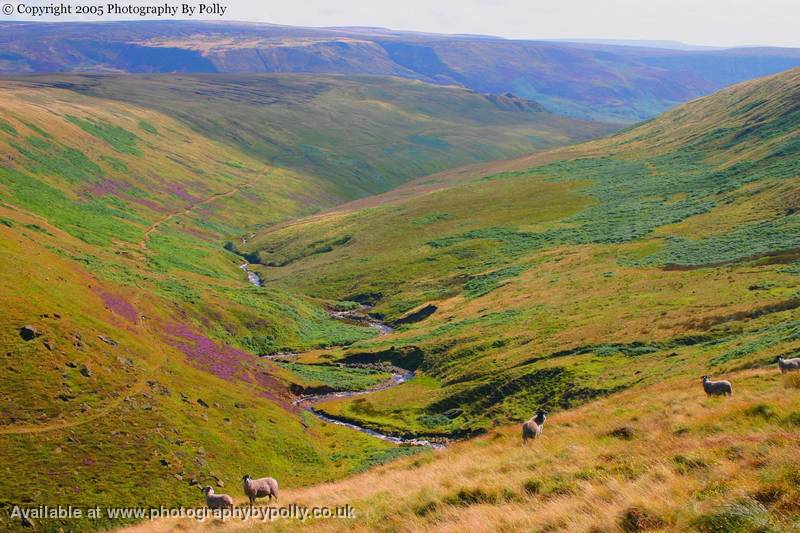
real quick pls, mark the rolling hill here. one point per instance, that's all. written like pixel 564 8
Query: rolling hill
pixel 130 332
pixel 597 280
pixel 658 458
pixel 583 79
pixel 363 134
pixel 666 250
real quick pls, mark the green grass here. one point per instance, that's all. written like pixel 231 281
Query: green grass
pixel 343 379
pixel 119 138
pixel 364 135
pixel 651 238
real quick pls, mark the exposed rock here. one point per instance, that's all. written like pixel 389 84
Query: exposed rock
pixel 72 364
pixel 220 483
pixel 28 333
pixel 240 405
pixel 202 402
pixel 192 482
pixel 50 344
pixel 85 372
pixel 108 340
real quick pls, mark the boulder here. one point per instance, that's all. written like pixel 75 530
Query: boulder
pixel 28 333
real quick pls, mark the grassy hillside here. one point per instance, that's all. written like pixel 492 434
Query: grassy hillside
pixel 609 83
pixel 364 135
pixel 661 458
pixel 139 379
pixel 667 250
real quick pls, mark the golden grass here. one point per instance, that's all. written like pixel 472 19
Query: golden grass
pixel 680 457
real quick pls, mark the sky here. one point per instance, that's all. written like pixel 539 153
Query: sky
pixel 700 22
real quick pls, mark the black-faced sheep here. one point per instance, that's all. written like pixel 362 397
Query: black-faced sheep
pixel 217 501
pixel 788 365
pixel 717 388
pixel 260 488
pixel 533 427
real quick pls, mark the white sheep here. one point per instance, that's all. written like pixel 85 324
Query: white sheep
pixel 788 365
pixel 259 488
pixel 217 501
pixel 533 427
pixel 717 388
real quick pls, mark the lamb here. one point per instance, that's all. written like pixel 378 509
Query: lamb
pixel 717 388
pixel 259 488
pixel 533 427
pixel 217 501
pixel 788 365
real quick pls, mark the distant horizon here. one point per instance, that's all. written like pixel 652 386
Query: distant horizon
pixel 661 43
pixel 715 23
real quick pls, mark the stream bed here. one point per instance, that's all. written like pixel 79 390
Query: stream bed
pixel 358 317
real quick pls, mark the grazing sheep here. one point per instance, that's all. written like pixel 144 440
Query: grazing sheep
pixel 259 488
pixel 217 501
pixel 788 365
pixel 717 388
pixel 533 427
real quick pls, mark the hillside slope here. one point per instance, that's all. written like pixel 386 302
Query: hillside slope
pixel 662 458
pixel 667 250
pixel 363 134
pixel 585 80
pixel 129 333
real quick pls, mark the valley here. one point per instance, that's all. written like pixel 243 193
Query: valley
pixel 355 260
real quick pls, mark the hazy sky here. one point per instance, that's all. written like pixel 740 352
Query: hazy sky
pixel 711 22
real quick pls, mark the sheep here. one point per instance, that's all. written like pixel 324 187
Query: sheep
pixel 533 427
pixel 717 388
pixel 259 488
pixel 217 501
pixel 788 365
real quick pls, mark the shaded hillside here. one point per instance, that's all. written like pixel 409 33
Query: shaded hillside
pixel 585 80
pixel 363 135
pixel 574 273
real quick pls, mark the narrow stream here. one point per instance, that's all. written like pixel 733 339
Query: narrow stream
pixel 252 277
pixel 359 317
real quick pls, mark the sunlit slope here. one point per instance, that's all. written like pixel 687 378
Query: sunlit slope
pixel 361 135
pixel 139 378
pixel 669 249
pixel 660 458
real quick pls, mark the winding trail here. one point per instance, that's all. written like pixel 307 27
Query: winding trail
pixel 133 388
pixel 154 226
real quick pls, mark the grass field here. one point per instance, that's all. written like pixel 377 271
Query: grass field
pixel 657 458
pixel 122 204
pixel 598 281
pixel 668 249
pixel 360 134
